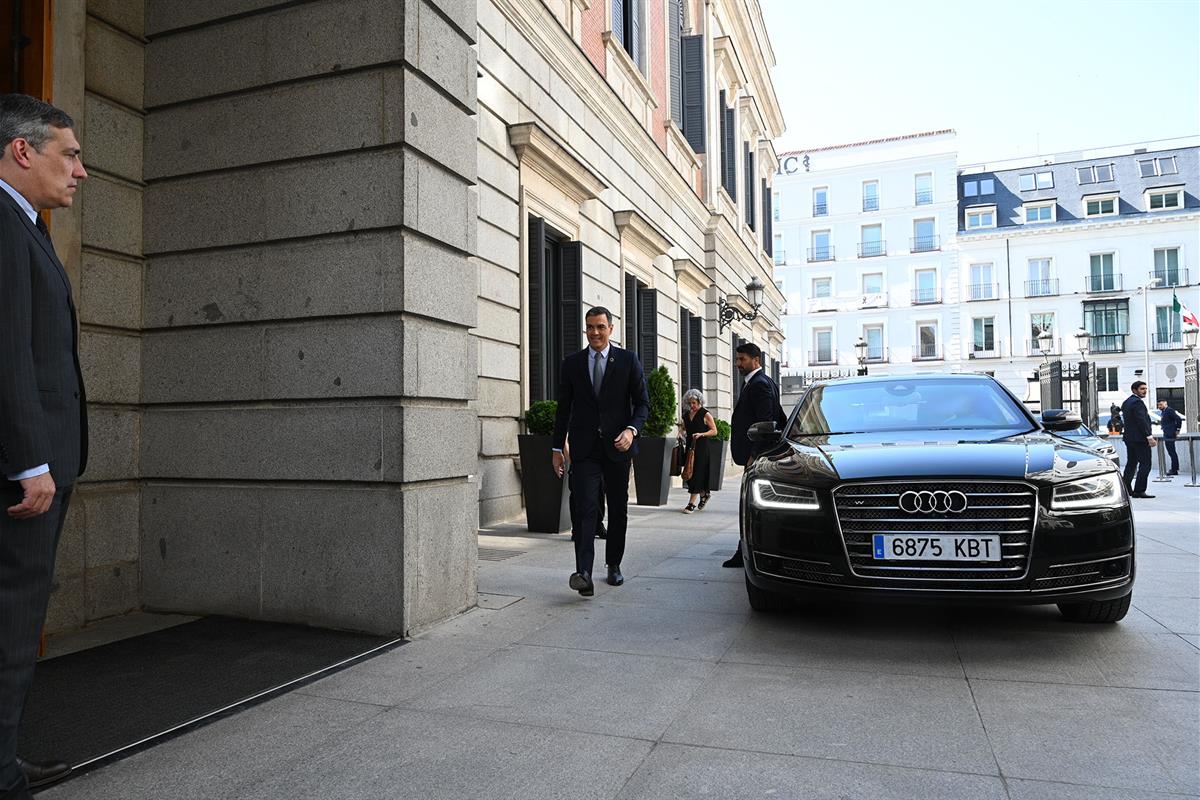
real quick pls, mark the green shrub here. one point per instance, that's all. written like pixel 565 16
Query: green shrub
pixel 539 419
pixel 662 403
pixel 723 430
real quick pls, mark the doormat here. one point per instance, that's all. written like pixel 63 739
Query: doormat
pixel 96 705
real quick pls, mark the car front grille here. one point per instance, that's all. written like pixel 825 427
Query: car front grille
pixel 993 507
pixel 797 569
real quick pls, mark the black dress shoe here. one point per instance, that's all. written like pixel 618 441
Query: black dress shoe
pixel 736 561
pixel 43 774
pixel 615 578
pixel 1142 496
pixel 582 583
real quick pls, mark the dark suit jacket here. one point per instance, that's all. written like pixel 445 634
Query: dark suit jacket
pixel 592 421
pixel 758 402
pixel 1137 420
pixel 43 411
pixel 1171 422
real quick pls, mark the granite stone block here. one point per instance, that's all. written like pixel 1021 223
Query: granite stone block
pixel 112 521
pixel 440 552
pixel 432 123
pixel 336 358
pixel 111 215
pixel 111 137
pixel 437 282
pixel 499 398
pixel 114 64
pixel 129 17
pixel 197 365
pixel 437 360
pixel 113 440
pixel 437 202
pixel 110 292
pixel 111 364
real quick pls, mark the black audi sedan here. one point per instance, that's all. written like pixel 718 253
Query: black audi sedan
pixel 934 487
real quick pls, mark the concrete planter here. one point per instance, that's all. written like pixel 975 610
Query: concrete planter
pixel 716 462
pixel 547 498
pixel 652 470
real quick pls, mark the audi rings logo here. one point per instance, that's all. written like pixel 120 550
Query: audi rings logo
pixel 933 502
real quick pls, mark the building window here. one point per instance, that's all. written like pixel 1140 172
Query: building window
pixel 872 241
pixel 821 250
pixel 820 201
pixel 555 306
pixel 1035 180
pixel 979 188
pixel 1040 284
pixel 1103 276
pixel 749 201
pixel 870 195
pixel 823 346
pixel 1168 328
pixel 728 146
pixel 981 286
pixel 927 289
pixel 1100 205
pixel 775 208
pixel 1152 167
pixel 822 287
pixel 1106 379
pixel 923 189
pixel 873 335
pixel 1039 212
pixel 970 188
pixel 927 341
pixel 1097 173
pixel 691 351
pixel 777 249
pixel 627 28
pixel 1166 267
pixel 924 238
pixel 1108 323
pixel 1040 322
pixel 641 322
pixel 1164 199
pixel 872 283
pixel 981 217
pixel 983 335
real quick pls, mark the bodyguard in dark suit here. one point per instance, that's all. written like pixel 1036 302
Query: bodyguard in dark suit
pixel 758 402
pixel 602 404
pixel 1138 436
pixel 43 423
pixel 1171 423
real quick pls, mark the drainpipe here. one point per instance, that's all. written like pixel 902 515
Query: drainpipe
pixel 1008 277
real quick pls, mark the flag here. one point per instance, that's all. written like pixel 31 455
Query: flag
pixel 1185 314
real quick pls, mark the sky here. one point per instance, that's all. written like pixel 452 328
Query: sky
pixel 1014 78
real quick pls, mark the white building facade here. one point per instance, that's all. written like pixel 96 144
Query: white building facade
pixel 864 247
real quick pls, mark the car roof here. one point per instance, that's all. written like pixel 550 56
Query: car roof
pixel 918 376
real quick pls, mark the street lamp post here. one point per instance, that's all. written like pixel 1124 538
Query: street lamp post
pixel 860 352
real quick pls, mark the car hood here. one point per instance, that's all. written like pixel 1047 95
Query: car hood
pixel 1036 456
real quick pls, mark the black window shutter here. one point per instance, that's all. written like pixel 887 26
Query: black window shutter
pixel 635 32
pixel 728 149
pixel 618 20
pixel 631 315
pixel 571 298
pixel 750 209
pixel 696 353
pixel 538 390
pixel 692 57
pixel 685 330
pixel 647 328
pixel 767 219
pixel 675 30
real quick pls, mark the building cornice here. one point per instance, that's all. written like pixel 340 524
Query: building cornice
pixel 726 60
pixel 634 229
pixel 759 70
pixel 537 149
pixel 1011 231
pixel 690 273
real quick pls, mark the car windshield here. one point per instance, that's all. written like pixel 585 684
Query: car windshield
pixel 907 405
pixel 1082 432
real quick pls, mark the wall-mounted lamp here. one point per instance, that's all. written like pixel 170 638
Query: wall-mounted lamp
pixel 754 293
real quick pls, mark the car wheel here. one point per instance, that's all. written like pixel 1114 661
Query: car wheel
pixel 762 600
pixel 1097 610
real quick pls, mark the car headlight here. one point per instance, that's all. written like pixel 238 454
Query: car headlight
pixel 769 494
pixel 1101 491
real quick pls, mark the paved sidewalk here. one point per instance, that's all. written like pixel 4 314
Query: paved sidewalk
pixel 670 687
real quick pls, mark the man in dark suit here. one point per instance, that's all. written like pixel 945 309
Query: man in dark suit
pixel 1171 423
pixel 1139 438
pixel 758 402
pixel 602 404
pixel 43 423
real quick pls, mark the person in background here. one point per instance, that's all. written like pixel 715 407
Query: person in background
pixel 1115 425
pixel 1139 440
pixel 1171 423
pixel 697 424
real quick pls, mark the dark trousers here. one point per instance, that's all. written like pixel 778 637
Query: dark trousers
pixel 596 476
pixel 27 549
pixel 1137 460
pixel 574 505
pixel 1170 445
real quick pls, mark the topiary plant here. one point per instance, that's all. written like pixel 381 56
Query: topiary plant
pixel 662 403
pixel 539 419
pixel 723 430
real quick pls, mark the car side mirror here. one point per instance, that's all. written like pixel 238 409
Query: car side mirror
pixel 763 432
pixel 1060 419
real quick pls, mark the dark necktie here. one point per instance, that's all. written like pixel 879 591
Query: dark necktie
pixel 597 375
pixel 43 230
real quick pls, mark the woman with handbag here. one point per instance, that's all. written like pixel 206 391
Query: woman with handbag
pixel 698 424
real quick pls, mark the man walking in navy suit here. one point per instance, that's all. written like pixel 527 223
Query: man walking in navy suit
pixel 602 404
pixel 1139 440
pixel 43 418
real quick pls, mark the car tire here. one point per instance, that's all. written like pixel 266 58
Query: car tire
pixel 1097 610
pixel 764 601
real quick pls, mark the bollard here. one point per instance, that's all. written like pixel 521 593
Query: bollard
pixel 1163 477
pixel 1192 459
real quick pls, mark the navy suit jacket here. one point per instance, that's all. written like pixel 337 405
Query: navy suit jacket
pixel 758 402
pixel 1171 422
pixel 594 422
pixel 43 410
pixel 1137 420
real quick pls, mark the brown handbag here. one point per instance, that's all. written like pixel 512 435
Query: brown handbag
pixel 690 466
pixel 677 458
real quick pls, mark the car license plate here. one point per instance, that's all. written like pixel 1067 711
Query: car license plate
pixel 935 547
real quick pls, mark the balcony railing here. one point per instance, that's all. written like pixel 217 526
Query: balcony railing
pixel 979 351
pixel 870 204
pixel 780 257
pixel 924 197
pixel 1170 277
pixel 821 358
pixel 873 300
pixel 983 291
pixel 821 253
pixel 1108 342
pixel 921 297
pixel 1041 288
pixel 1103 283
pixel 1033 347
pixel 924 353
pixel 820 209
pixel 1170 341
pixel 870 249
pixel 924 244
